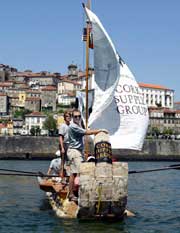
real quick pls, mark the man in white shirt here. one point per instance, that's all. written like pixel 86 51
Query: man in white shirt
pixel 55 165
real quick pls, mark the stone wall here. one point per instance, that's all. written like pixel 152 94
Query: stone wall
pixel 28 147
pixel 103 189
pixel 152 150
pixel 45 147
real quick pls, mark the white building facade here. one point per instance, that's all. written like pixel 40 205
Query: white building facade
pixel 35 119
pixel 157 95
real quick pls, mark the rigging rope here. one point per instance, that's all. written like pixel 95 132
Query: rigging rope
pixel 10 170
pixel 33 175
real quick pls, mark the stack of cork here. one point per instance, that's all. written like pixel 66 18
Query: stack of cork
pixel 86 193
pixel 103 187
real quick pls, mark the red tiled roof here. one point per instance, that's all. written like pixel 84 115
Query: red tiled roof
pixel 33 75
pixel 155 109
pixel 33 99
pixel 17 89
pixel 21 74
pixel 19 82
pixel 168 110
pixel 36 114
pixel 3 94
pixel 2 125
pixel 33 91
pixel 9 81
pixel 6 84
pixel 176 102
pixel 161 109
pixel 165 110
pixel 24 86
pixel 154 86
pixel 49 88
pixel 71 81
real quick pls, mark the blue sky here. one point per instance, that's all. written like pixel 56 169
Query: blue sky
pixel 46 35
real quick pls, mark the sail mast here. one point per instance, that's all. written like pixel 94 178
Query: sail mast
pixel 87 63
pixel 88 4
pixel 87 78
pixel 87 71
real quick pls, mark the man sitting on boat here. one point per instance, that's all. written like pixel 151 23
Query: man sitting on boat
pixel 64 141
pixel 76 147
pixel 55 166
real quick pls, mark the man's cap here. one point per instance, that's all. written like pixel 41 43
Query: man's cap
pixel 58 153
pixel 91 159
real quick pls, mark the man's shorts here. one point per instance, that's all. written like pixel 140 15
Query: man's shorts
pixel 75 158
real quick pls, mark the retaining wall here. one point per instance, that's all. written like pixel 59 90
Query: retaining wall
pixel 26 147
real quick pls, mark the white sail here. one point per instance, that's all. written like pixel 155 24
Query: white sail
pixel 106 66
pixel 118 104
pixel 133 110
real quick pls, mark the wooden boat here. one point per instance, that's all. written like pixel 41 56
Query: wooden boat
pixel 117 105
pixel 57 193
pixel 102 192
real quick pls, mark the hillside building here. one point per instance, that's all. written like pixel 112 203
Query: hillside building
pixel 157 95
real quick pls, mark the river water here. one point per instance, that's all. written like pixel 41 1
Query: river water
pixel 153 197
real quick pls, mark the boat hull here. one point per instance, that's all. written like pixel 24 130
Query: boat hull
pixel 102 192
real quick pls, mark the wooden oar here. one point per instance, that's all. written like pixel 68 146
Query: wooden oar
pixel 174 166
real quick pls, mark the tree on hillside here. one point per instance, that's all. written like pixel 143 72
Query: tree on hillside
pixel 35 131
pixel 155 131
pixel 32 131
pixel 21 113
pixel 168 131
pixel 50 125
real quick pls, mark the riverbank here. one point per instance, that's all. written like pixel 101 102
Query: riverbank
pixel 28 147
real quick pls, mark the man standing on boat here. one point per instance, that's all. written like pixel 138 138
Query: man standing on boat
pixel 64 141
pixel 76 147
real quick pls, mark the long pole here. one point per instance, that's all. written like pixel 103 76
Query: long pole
pixel 89 4
pixel 87 79
pixel 87 73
